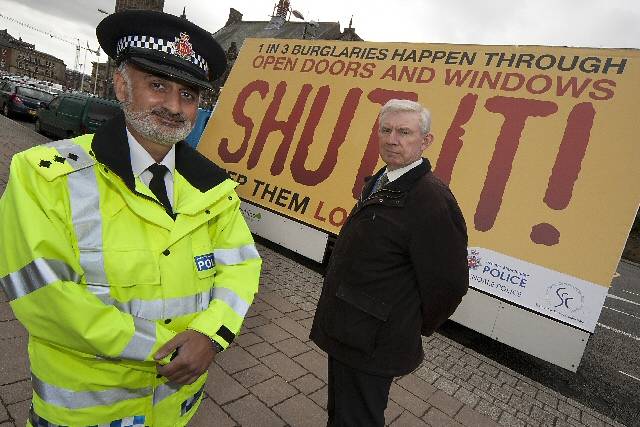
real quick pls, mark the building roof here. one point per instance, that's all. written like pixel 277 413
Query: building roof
pixel 280 28
pixel 7 40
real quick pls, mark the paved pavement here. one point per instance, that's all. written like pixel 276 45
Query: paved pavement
pixel 274 376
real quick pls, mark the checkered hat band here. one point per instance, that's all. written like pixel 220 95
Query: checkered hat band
pixel 155 43
pixel 135 421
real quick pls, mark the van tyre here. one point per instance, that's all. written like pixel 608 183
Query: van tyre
pixel 38 128
pixel 5 110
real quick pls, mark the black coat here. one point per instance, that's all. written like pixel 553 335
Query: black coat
pixel 398 271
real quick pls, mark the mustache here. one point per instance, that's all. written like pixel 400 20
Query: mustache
pixel 166 114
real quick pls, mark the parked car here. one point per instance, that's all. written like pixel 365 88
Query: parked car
pixel 19 99
pixel 73 114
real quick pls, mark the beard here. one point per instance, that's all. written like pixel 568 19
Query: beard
pixel 144 122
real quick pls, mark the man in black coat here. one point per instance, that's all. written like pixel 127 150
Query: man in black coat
pixel 397 272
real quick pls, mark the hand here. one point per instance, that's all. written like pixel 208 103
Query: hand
pixel 193 355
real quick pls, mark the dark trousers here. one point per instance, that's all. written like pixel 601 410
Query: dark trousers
pixel 355 398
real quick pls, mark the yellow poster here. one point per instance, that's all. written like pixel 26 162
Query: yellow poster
pixel 539 144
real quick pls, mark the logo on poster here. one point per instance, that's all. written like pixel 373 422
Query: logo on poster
pixel 473 259
pixel 250 216
pixel 563 298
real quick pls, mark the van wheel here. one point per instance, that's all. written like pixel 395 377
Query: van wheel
pixel 38 128
pixel 5 110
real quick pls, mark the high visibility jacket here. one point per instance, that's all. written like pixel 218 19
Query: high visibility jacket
pixel 101 277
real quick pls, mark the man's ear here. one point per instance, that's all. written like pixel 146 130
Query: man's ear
pixel 120 86
pixel 427 141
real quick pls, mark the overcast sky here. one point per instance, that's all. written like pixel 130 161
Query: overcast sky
pixel 588 23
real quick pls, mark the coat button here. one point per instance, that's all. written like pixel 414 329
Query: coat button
pixel 207 211
pixel 167 321
pixel 166 252
pixel 158 376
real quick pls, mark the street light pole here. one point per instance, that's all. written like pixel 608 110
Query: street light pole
pixel 107 67
pixel 84 68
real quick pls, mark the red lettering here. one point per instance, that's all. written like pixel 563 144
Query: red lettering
pixel 547 83
pixel 570 154
pixel 421 79
pixel 572 84
pixel 271 124
pixel 455 77
pixel 316 215
pixel 260 86
pixel 452 143
pixel 507 80
pixel 598 85
pixel 408 75
pixel 515 112
pixel 566 169
pixel 341 213
pixel 298 170
pixel 391 72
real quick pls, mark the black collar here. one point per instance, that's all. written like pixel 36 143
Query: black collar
pixel 111 148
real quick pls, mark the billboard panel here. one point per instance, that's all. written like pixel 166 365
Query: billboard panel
pixel 539 145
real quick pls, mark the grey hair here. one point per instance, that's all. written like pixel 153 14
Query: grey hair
pixel 399 105
pixel 122 69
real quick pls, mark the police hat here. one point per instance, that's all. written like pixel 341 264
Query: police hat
pixel 163 44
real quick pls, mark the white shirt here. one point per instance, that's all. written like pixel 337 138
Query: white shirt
pixel 141 160
pixel 397 173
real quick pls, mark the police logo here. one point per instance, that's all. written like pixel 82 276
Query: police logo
pixel 473 259
pixel 204 262
pixel 182 46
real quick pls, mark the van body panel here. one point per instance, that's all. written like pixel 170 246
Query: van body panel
pixel 70 115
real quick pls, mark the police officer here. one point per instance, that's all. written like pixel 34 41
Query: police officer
pixel 124 253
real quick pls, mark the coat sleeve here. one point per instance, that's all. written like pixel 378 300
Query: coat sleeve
pixel 237 274
pixel 439 256
pixel 43 280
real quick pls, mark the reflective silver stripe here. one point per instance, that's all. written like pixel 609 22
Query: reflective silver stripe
pixel 235 255
pixel 142 341
pixel 156 309
pixel 84 399
pixel 165 390
pixel 35 275
pixel 75 156
pixel 232 299
pixel 175 307
pixel 87 223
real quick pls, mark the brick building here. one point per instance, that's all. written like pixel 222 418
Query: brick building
pixel 22 58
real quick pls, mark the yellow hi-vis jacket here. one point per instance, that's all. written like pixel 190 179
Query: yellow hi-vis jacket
pixel 101 277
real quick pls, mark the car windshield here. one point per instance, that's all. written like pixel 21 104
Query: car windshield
pixel 34 93
pixel 102 112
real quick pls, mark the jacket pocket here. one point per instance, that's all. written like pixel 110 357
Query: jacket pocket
pixel 131 268
pixel 357 318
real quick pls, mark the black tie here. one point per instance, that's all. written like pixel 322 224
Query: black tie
pixel 156 185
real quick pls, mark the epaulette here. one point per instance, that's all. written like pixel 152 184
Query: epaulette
pixel 58 158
